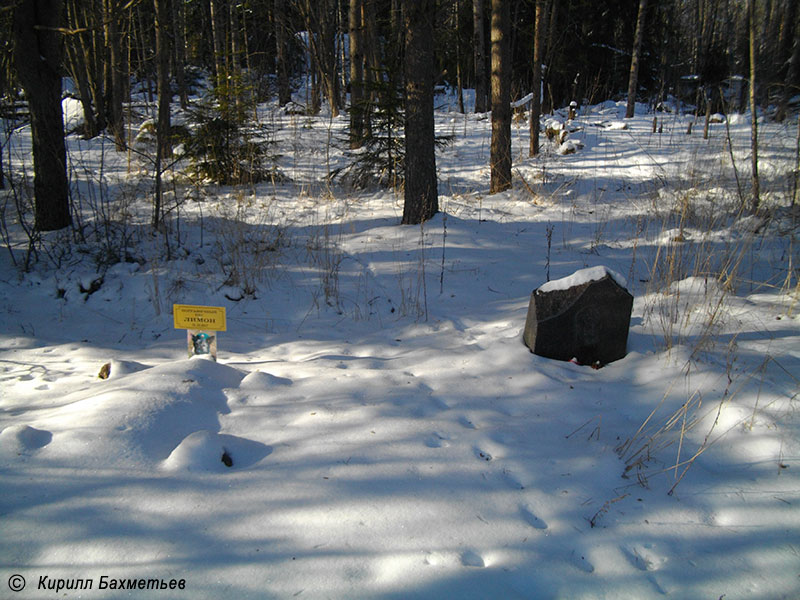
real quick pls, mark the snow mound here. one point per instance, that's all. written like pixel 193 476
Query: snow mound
pixel 120 368
pixel 583 276
pixel 22 439
pixel 215 453
pixel 259 380
pixel 140 417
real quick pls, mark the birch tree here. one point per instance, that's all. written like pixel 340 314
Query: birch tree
pixel 633 79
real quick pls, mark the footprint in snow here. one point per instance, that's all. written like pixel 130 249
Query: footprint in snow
pixel 580 561
pixel 530 517
pixel 482 454
pixel 470 558
pixel 513 480
pixel 465 422
pixel 437 440
pixel 645 557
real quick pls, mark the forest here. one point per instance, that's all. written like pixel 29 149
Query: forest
pixel 367 195
pixel 379 61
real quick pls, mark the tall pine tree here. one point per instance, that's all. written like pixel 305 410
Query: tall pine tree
pixel 420 195
pixel 501 99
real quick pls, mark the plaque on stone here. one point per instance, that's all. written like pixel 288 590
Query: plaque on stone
pixel 584 317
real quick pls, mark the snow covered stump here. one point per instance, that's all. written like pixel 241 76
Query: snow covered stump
pixel 585 316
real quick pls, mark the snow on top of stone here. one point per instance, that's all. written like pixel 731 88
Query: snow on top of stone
pixel 583 276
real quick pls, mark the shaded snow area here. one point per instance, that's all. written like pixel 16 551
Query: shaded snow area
pixel 374 426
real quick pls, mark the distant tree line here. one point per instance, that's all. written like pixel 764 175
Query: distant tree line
pixel 366 57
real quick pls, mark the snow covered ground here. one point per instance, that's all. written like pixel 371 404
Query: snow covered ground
pixel 389 434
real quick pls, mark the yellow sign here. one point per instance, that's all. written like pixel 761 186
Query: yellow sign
pixel 207 318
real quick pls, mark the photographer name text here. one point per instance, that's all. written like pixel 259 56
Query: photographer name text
pixel 107 582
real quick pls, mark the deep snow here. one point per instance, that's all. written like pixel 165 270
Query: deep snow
pixel 389 434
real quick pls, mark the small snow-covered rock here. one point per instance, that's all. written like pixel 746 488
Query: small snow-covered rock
pixel 118 368
pixel 569 147
pixel 214 452
pixel 554 129
pixel 72 110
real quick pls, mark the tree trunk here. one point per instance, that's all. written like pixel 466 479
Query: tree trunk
pixel 281 51
pixel 179 51
pixel 552 32
pixel 536 103
pixel 236 88
pixel 115 117
pixel 341 33
pixel 420 194
pixel 327 50
pixel 501 99
pixel 373 65
pixel 163 142
pixel 633 79
pixel 78 67
pixel 36 24
pixel 751 13
pixel 356 75
pixel 320 21
pixel 790 82
pixel 481 96
pixel 459 77
pixel 218 39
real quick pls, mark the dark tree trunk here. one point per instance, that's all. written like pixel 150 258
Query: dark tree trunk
pixel 320 23
pixel 218 40
pixel 78 67
pixel 481 95
pixel 179 51
pixel 420 195
pixel 550 55
pixel 751 13
pixel 536 103
pixel 793 67
pixel 501 99
pixel 357 100
pixel 459 76
pixel 633 79
pixel 116 84
pixel 281 53
pixel 328 57
pixel 38 60
pixel 163 142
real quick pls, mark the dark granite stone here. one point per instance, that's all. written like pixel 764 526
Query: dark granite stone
pixel 588 322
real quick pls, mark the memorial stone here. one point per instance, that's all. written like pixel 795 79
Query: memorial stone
pixel 584 317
